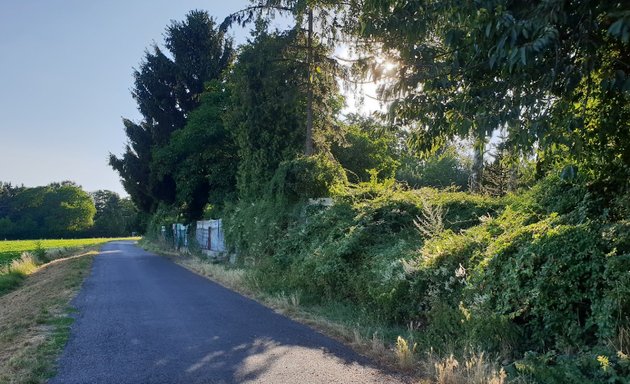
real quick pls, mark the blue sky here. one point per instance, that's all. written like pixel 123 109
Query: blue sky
pixel 65 75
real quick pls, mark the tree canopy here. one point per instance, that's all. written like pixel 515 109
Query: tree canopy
pixel 115 216
pixel 167 88
pixel 553 74
pixel 202 155
pixel 488 207
pixel 56 210
pixel 550 75
pixel 269 105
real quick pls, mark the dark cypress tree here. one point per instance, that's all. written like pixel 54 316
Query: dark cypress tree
pixel 167 89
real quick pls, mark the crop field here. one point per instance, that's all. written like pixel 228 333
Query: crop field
pixel 12 249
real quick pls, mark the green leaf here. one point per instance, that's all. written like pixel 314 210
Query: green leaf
pixel 621 29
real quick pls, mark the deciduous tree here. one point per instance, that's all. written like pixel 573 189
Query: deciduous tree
pixel 552 73
pixel 115 216
pixel 202 155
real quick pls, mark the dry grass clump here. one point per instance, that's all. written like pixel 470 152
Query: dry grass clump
pixel 474 369
pixel 283 302
pixel 229 277
pixel 24 266
pixel 404 353
pixel 13 274
pixel 621 343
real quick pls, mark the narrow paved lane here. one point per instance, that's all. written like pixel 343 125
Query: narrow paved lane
pixel 143 319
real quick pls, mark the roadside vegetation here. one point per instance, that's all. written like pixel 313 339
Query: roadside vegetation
pixel 35 313
pixel 479 230
pixel 20 258
pixel 12 249
pixel 533 285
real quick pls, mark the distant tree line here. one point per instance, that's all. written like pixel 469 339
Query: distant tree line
pixel 64 210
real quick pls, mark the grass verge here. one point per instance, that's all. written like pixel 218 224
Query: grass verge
pixel 12 275
pixel 55 248
pixel 35 319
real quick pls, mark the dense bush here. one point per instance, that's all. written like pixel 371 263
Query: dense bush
pixel 549 273
pixel 364 148
pixel 307 177
pixel 448 167
pixel 544 271
pixel 253 227
pixel 353 251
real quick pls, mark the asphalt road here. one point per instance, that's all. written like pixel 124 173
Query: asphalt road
pixel 143 319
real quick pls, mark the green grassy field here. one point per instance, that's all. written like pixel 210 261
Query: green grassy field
pixel 12 249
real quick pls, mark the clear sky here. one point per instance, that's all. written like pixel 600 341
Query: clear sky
pixel 65 79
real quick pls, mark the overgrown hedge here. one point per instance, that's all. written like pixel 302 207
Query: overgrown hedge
pixel 540 279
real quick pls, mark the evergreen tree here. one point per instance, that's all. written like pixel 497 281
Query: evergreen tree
pixel 318 24
pixel 498 177
pixel 167 89
pixel 269 106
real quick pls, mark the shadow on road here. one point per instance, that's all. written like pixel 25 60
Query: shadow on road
pixel 143 319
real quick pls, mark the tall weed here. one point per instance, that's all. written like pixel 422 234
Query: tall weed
pixel 472 369
pixel 23 266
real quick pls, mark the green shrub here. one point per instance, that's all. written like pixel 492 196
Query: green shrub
pixel 464 210
pixel 364 150
pixel 544 273
pixel 40 253
pixel 307 177
pixel 350 251
pixel 597 366
pixel 448 167
pixel 252 228
pixel 164 216
pixel 543 270
pixel 551 280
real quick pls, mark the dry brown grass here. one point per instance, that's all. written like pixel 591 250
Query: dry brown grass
pixel 25 265
pixel 621 343
pixel 474 369
pixel 34 319
pixel 405 354
pixel 231 278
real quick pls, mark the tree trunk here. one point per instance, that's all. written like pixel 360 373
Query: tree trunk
pixel 309 90
pixel 477 166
